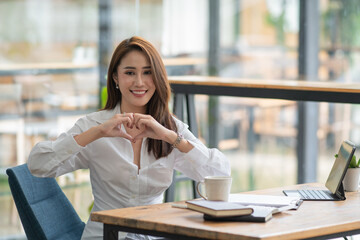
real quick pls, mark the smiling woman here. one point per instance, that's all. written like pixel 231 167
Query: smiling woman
pixel 136 64
pixel 133 79
pixel 134 144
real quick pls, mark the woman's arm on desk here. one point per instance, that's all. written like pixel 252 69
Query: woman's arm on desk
pixel 200 161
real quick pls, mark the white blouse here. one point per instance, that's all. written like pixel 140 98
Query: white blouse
pixel 115 180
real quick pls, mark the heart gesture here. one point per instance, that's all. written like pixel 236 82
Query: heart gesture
pixel 146 124
pixel 148 127
pixel 112 127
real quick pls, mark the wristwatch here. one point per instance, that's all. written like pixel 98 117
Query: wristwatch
pixel 177 141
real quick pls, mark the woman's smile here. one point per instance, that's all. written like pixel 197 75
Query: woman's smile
pixel 138 93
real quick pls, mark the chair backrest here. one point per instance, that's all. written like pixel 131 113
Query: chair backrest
pixel 44 210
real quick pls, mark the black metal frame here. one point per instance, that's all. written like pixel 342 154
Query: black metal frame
pixel 111 233
pixel 179 100
pixel 288 94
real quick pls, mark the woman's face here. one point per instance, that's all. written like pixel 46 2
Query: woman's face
pixel 135 80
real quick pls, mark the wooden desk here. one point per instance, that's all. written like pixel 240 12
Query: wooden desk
pixel 278 89
pixel 313 220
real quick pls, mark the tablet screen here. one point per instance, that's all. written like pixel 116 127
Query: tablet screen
pixel 340 166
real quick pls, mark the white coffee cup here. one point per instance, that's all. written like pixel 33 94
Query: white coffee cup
pixel 217 188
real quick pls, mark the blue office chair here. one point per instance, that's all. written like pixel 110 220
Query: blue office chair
pixel 44 210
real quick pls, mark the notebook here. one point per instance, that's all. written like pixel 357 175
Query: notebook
pixel 260 214
pixel 219 208
pixel 334 184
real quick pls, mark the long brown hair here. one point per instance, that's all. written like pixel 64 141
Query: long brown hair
pixel 158 105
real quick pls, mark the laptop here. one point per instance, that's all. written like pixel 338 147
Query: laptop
pixel 334 183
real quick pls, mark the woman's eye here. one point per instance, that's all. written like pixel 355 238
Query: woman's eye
pixel 129 73
pixel 147 72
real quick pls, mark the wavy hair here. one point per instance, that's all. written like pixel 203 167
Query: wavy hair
pixel 158 105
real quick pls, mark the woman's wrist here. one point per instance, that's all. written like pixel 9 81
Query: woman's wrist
pixel 171 137
pixel 178 140
pixel 99 131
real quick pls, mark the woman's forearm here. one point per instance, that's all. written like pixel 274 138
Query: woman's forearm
pixel 88 136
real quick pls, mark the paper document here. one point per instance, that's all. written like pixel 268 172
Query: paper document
pixel 265 200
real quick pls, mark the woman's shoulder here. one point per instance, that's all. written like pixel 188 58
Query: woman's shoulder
pixel 99 117
pixel 95 115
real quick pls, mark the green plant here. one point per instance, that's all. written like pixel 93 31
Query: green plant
pixel 91 206
pixel 353 163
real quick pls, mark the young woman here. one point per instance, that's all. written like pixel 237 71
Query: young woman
pixel 134 144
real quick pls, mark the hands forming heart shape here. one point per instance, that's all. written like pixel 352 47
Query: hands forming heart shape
pixel 146 126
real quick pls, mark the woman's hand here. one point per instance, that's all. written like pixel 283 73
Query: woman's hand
pixel 151 128
pixel 112 127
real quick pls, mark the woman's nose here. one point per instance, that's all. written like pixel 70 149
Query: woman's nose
pixel 138 80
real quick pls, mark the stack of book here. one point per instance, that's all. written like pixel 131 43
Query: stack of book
pixel 244 207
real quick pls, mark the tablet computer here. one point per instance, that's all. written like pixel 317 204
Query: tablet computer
pixel 334 184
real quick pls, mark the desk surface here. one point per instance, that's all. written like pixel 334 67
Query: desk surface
pixel 262 88
pixel 267 83
pixel 312 219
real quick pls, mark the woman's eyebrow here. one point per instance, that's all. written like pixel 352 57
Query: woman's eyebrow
pixel 129 67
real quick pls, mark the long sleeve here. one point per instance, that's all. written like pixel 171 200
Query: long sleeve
pixel 200 161
pixel 55 158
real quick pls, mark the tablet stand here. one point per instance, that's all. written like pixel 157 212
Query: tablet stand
pixel 340 193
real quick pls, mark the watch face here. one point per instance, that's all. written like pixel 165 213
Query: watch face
pixel 177 141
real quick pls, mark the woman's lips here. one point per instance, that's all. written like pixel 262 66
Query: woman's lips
pixel 138 93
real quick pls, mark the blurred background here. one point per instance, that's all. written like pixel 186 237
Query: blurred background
pixel 54 55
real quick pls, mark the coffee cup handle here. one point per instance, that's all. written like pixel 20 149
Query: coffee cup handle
pixel 198 190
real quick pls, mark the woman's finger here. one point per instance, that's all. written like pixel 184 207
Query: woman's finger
pixel 127 136
pixel 141 117
pixel 128 122
pixel 143 123
pixel 124 118
pixel 139 136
